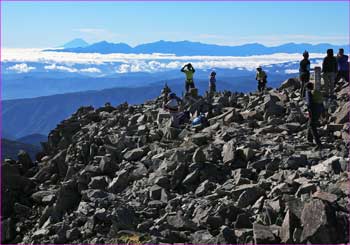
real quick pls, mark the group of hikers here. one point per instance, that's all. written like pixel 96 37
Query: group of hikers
pixel 333 69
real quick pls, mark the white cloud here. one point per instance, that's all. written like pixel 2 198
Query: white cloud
pixel 291 71
pixel 144 62
pixel 21 68
pixel 60 68
pixel 91 70
pixel 123 68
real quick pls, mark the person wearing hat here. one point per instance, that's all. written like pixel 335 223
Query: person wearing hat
pixel 329 69
pixel 343 66
pixel 189 71
pixel 212 84
pixel 261 78
pixel 304 72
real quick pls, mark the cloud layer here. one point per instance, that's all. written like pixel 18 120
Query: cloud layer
pixel 123 63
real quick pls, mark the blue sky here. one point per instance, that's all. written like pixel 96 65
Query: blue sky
pixel 50 24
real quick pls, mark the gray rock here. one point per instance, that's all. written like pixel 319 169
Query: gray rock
pixel 99 182
pixel 180 222
pixel 291 83
pixel 243 221
pixel 68 198
pixel 263 234
pixel 201 237
pixel 330 165
pixel 199 156
pixel 106 165
pixel 134 155
pixel 200 139
pixel 73 234
pixel 318 219
pixel 204 188
pixel 191 178
pixel 290 223
pixel 123 217
pixel 119 183
pixel 249 197
pixel 325 196
pixel 226 236
pixel 24 160
pixel 306 188
pixel 343 115
pixel 40 195
pixel 162 181
pixel 295 162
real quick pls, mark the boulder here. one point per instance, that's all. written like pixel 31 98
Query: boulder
pixel 343 115
pixel 180 222
pixel 24 160
pixel 99 182
pixel 290 223
pixel 317 219
pixel 198 156
pixel 134 155
pixel 263 234
pixel 291 83
pixel 330 165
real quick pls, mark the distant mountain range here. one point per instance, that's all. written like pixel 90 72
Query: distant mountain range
pixel 196 48
pixel 22 117
pixel 33 139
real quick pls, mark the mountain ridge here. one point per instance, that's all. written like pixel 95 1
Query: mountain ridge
pixel 198 48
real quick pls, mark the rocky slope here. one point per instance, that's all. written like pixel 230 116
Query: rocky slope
pixel 123 175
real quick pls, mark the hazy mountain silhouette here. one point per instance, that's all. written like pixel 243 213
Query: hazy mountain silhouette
pixel 75 43
pixel 197 48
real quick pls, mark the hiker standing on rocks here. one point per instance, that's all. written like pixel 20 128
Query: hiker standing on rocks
pixel 315 108
pixel 189 71
pixel 261 78
pixel 173 107
pixel 329 69
pixel 304 72
pixel 212 84
pixel 343 66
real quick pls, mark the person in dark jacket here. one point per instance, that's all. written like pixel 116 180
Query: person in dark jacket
pixel 343 66
pixel 212 84
pixel 329 69
pixel 304 72
pixel 314 102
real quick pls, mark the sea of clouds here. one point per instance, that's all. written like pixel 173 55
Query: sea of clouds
pixel 125 63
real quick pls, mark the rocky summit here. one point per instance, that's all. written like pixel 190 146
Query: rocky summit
pixel 124 175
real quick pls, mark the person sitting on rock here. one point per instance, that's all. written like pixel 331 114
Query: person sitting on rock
pixel 212 84
pixel 189 71
pixel 304 72
pixel 172 106
pixel 315 108
pixel 261 78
